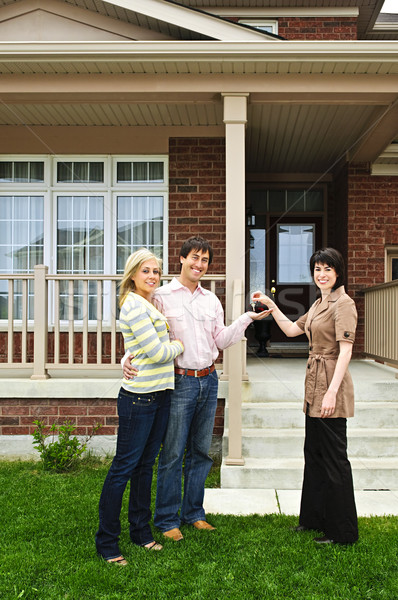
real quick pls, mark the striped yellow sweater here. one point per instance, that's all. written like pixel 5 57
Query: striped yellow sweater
pixel 146 337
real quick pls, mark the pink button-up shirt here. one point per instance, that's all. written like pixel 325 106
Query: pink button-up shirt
pixel 197 319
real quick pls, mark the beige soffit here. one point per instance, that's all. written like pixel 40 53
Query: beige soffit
pixel 288 57
pixel 187 18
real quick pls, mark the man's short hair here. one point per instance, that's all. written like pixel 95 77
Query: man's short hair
pixel 196 243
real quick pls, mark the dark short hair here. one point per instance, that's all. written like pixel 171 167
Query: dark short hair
pixel 196 243
pixel 332 258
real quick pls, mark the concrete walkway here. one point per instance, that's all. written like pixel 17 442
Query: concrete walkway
pixel 261 502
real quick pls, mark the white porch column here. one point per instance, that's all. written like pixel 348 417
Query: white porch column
pixel 235 119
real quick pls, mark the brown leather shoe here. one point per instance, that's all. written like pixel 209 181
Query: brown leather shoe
pixel 203 525
pixel 174 534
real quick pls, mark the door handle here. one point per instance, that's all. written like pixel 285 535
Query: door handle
pixel 273 288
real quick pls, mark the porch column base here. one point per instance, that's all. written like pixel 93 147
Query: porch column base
pixel 238 462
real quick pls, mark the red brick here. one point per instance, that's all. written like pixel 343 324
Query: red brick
pixel 19 430
pixel 72 410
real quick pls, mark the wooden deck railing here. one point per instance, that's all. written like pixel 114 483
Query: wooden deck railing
pixel 381 322
pixel 75 314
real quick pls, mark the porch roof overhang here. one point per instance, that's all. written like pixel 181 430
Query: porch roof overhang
pixel 311 104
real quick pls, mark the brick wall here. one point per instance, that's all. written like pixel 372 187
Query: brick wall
pixel 318 28
pixel 17 415
pixel 197 196
pixel 372 224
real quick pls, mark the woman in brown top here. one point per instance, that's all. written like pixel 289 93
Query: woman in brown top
pixel 327 500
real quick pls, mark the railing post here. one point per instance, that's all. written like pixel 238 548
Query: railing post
pixel 40 323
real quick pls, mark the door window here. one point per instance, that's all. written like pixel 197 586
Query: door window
pixel 295 247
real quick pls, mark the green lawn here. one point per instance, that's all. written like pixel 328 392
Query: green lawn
pixel 47 547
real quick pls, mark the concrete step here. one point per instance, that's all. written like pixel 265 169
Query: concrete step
pixel 287 474
pixel 293 390
pixel 287 415
pixel 285 443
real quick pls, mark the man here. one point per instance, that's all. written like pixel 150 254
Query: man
pixel 195 317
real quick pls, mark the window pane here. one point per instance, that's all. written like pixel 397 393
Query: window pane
pixel 155 207
pixel 5 171
pixel 5 233
pixel 20 231
pixel 64 259
pixel 6 207
pixel 35 257
pixel 96 208
pixel 80 172
pixel 80 239
pixel 394 269
pixel 37 172
pixel 295 200
pixel 140 208
pixel 124 234
pixel 139 233
pixel 123 252
pixel 21 172
pixel 295 246
pixel 124 206
pixel 64 206
pixel 21 207
pixel 21 244
pixel 156 233
pixel 96 172
pixel 64 172
pixel 314 200
pixel 36 208
pixel 140 171
pixel 5 259
pixel 156 171
pixel 64 233
pixel 20 259
pixel 257 259
pixel 145 229
pixel 124 172
pixel 277 201
pixel 80 208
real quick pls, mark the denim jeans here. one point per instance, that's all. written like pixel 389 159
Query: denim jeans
pixel 142 424
pixel 192 411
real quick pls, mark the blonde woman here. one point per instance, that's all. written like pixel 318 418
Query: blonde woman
pixel 143 408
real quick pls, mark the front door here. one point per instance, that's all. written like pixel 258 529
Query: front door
pixel 280 246
pixel 292 242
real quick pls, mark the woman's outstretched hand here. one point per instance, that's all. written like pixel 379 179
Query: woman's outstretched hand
pixel 261 297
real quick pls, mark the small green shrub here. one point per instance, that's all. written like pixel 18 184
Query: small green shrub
pixel 62 454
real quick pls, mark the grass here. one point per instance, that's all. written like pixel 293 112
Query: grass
pixel 47 547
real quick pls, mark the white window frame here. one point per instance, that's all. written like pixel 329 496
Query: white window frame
pixel 390 253
pixel 261 23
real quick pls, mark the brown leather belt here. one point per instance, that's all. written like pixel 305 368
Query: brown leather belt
pixel 195 373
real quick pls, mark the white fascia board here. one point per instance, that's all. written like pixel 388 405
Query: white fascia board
pixel 390 152
pixel 330 11
pixel 386 170
pixel 190 19
pixel 314 51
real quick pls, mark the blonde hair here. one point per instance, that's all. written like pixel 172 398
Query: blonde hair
pixel 133 263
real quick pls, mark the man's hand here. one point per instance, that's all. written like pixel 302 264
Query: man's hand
pixel 261 315
pixel 129 371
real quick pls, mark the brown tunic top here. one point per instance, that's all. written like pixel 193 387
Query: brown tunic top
pixel 328 322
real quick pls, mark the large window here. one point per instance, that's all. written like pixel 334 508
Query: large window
pixel 80 215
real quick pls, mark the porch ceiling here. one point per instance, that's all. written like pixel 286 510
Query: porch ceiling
pixel 310 104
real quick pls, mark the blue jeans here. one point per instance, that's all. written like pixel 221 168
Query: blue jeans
pixel 190 427
pixel 142 425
